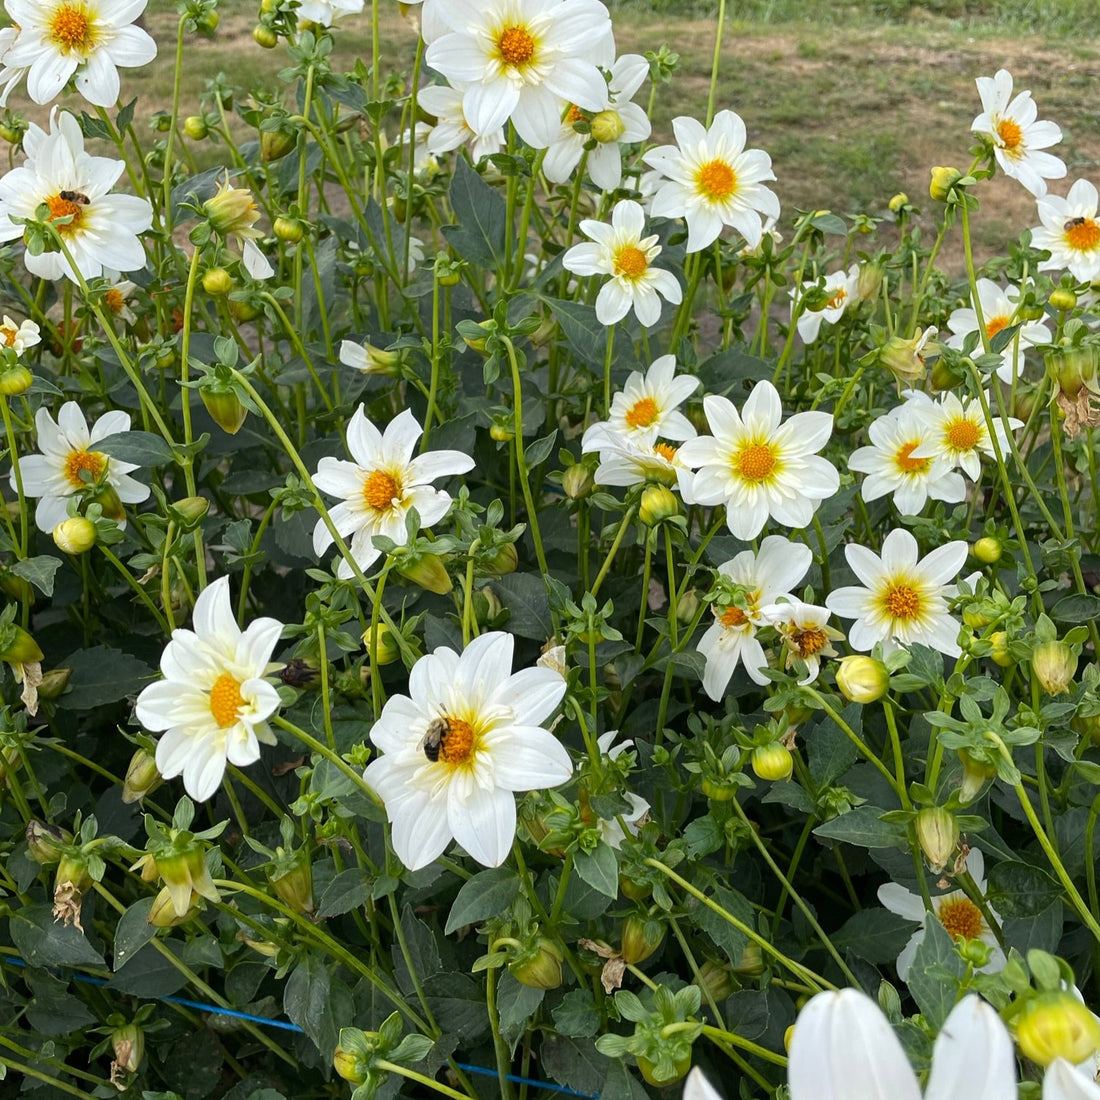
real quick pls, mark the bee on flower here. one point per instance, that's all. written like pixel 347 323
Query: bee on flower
pixel 1070 232
pixel 1018 137
pixel 840 288
pixel 807 636
pixel 620 251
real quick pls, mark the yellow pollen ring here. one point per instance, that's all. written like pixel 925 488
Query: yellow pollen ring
pixel 114 300
pixel 665 450
pixel 909 464
pixel 226 701
pixel 8 333
pixel 839 295
pixel 458 745
pixel 902 601
pixel 755 462
pixel 963 435
pixel 630 262
pixel 807 643
pixel 1083 234
pixel 93 461
pixel 961 918
pixel 65 208
pixel 1010 134
pixel 380 490
pixel 733 616
pixel 994 325
pixel 642 413
pixel 716 180
pixel 70 28
pixel 516 45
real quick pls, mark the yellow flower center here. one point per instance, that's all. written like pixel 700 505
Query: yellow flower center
pixel 962 919
pixel 642 413
pixel 70 29
pixel 665 450
pixel 93 461
pixel 902 601
pixel 115 301
pixel 808 642
pixel 8 334
pixel 226 701
pixel 457 745
pixel 1082 234
pixel 756 461
pixel 963 435
pixel 906 462
pixel 716 180
pixel 65 208
pixel 574 114
pixel 838 297
pixel 630 262
pixel 994 325
pixel 733 616
pixel 516 45
pixel 1010 134
pixel 380 490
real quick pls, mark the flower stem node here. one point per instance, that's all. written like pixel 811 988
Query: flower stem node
pixel 938 835
pixel 539 968
pixel 658 503
pixel 862 679
pixel 75 535
pixel 1057 1025
pixel 773 762
pixel 988 550
pixel 1054 665
pixel 943 183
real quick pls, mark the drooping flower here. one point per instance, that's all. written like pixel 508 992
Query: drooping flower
pixel 759 467
pixel 620 251
pixel 646 409
pixel 953 909
pixel 624 463
pixel 454 750
pixel 842 287
pixel 711 180
pixel 326 12
pixel 1016 135
pixel 612 829
pixel 618 122
pixel 805 631
pixel 20 336
pixel 904 601
pixel 521 60
pixel 69 464
pixel 86 39
pixel 894 462
pixel 382 483
pixel 767 578
pixel 213 703
pixel 999 307
pixel 1070 232
pixel 843 1048
pixel 232 213
pixel 99 229
pixel 959 433
pixel 451 130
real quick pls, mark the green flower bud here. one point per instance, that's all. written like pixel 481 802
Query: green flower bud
pixel 1074 368
pixel 608 126
pixel 142 777
pixel 195 127
pixel 427 571
pixel 15 380
pixel 640 937
pixel 988 550
pixel 976 773
pixel 540 968
pixel 216 281
pixel 295 885
pixel 289 230
pixel 385 650
pixel 658 503
pixel 190 512
pixel 898 202
pixel 1057 1025
pixel 1062 299
pixel 46 843
pixel 715 979
pixel 275 144
pixel 943 180
pixel 938 836
pixel 773 762
pixel 224 406
pixel 905 359
pixel 503 562
pixel 17 646
pixel 1054 665
pixel 1000 654
pixel 75 535
pixel 751 963
pixel 862 679
pixel 164 913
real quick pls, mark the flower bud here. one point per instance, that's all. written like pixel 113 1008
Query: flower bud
pixel 938 836
pixel 45 843
pixel 264 36
pixel 289 230
pixel 195 127
pixel 943 180
pixel 128 1048
pixel 988 550
pixel 216 281
pixel 487 606
pixel 275 144
pixel 243 310
pixel 349 1065
pixel 1057 1025
pixel 15 380
pixel 503 562
pixel 658 503
pixel 385 650
pixel 224 407
pixel 1062 299
pixel 501 433
pixel 1054 665
pixel 905 359
pixel 686 606
pixel 608 126
pixel 70 882
pixel 870 281
pixel 427 571
pixel 772 762
pixel 164 914
pixel 142 777
pixel 1000 654
pixel 18 647
pixel 231 211
pixel 898 202
pixel 1073 368
pixel 751 963
pixel 541 968
pixel 640 937
pixel 295 885
pixel 75 535
pixel 976 773
pixel 190 512
pixel 577 481
pixel 862 679
pixel 715 979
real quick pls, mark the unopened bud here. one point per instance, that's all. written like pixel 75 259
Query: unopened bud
pixel 751 963
pixel 938 836
pixel 195 127
pixel 658 503
pixel 503 562
pixel 1073 368
pixel 385 650
pixel 54 683
pixel 641 936
pixel 190 512
pixel 142 777
pixel 608 126
pixel 45 842
pixel 295 885
pixel 577 481
pixel 715 980
pixel 540 968
pixel 15 380
pixel 1000 654
pixel 1054 665
pixel 18 647
pixel 128 1048
pixel 75 535
pixel 164 915
pixel 217 281
pixel 870 281
pixel 988 550
pixel 772 762
pixel 224 406
pixel 943 180
pixel 1057 1025
pixel 427 571
pixel 905 359
pixel 275 144
pixel 1062 299
pixel 976 773
pixel 898 202
pixel 862 679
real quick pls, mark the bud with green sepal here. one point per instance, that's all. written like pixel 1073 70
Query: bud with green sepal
pixel 665 1028
pixel 178 857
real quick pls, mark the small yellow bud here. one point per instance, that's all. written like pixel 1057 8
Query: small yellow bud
pixel 658 503
pixel 195 127
pixel 1057 1025
pixel 900 200
pixel 142 777
pixel 943 180
pixel 217 281
pixel 289 230
pixel 938 836
pixel 265 36
pixel 1000 655
pixel 1062 299
pixel 75 535
pixel 773 762
pixel 15 380
pixel 1054 665
pixel 988 550
pixel 164 914
pixel 906 359
pixel 608 126
pixel 429 572
pixel 385 648
pixel 862 679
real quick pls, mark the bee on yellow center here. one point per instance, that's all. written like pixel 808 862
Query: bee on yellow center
pixel 62 207
pixel 450 740
pixel 1082 234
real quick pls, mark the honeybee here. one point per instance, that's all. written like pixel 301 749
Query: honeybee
pixel 74 196
pixel 1073 223
pixel 434 736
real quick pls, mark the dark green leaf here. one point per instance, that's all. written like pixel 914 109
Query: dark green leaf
pixel 39 571
pixel 862 826
pixel 725 935
pixel 585 335
pixel 486 894
pixel 524 594
pixel 422 949
pixel 138 448
pixel 347 891
pixel 150 973
pixel 133 932
pixel 830 750
pixel 935 973
pixel 478 236
pixel 54 1009
pixel 876 935
pixel 1021 890
pixel 102 675
pixel 42 941
pixel 600 869
pixel 1079 608
pixel 576 1014
pixel 516 1004
pixel 574 1062
pixel 540 450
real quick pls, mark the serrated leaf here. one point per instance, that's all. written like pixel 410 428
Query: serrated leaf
pixel 488 893
pixel 1082 607
pixel 726 936
pixel 347 891
pixel 934 974
pixel 102 675
pixel 876 935
pixel 39 571
pixel 42 941
pixel 480 215
pixel 138 448
pixel 599 868
pixel 583 332
pixel 1020 890
pixel 516 1004
pixel 524 594
pixel 133 932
